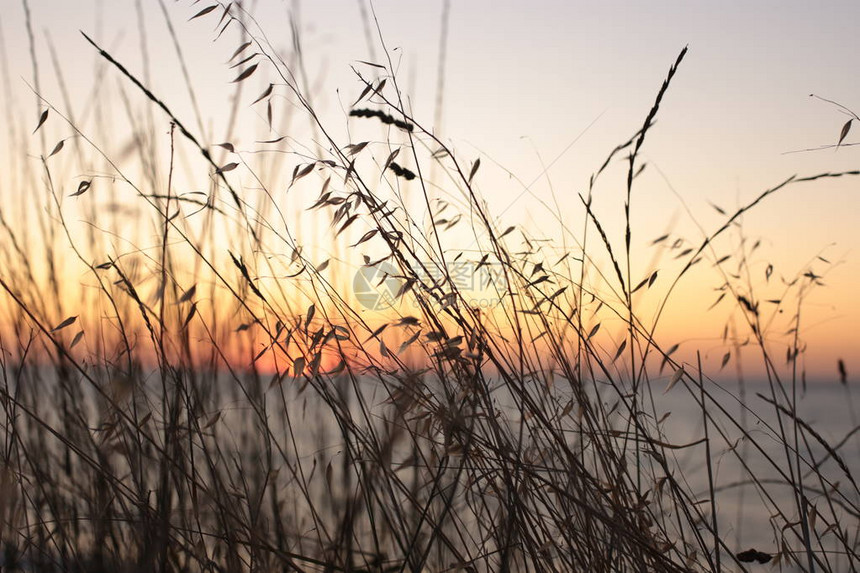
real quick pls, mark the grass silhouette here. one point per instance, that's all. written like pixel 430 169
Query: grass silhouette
pixel 214 397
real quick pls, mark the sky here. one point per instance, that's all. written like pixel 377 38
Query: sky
pixel 544 90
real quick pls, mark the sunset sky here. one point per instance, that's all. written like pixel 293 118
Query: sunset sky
pixel 544 90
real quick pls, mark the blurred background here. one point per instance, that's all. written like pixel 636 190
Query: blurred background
pixel 541 92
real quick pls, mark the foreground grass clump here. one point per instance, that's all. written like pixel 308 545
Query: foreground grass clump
pixel 221 397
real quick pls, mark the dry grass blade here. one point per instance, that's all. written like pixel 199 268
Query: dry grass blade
pixel 78 337
pixel 83 187
pixel 474 170
pixel 187 295
pixel 67 322
pixel 42 119
pixel 266 93
pixel 228 167
pixel 57 148
pixel 203 12
pixel 845 129
pixel 676 377
pixel 246 74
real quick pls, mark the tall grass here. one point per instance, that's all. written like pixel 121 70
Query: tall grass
pixel 216 396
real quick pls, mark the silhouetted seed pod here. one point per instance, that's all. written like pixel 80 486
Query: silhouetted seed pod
pixel 751 555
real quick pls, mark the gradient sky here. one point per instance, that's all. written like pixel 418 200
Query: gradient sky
pixel 560 83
